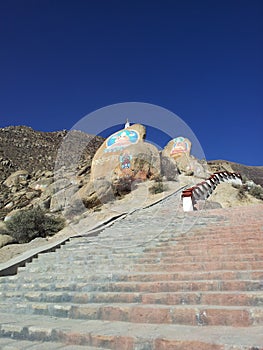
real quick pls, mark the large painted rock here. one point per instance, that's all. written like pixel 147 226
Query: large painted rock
pixel 179 150
pixel 123 159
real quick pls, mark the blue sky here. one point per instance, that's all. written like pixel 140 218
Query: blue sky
pixel 60 60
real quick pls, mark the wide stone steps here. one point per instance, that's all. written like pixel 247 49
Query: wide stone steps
pixel 130 336
pixel 197 289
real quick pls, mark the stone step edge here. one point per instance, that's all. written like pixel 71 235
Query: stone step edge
pixel 10 267
pixel 18 344
pixel 29 294
pixel 67 306
pixel 124 335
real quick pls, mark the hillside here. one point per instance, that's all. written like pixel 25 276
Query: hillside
pixel 32 157
pixel 23 148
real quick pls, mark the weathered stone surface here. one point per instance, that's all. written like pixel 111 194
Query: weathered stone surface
pixel 10 214
pixel 16 178
pixel 93 195
pixel 169 168
pixel 202 204
pixel 41 184
pixel 6 239
pixel 61 199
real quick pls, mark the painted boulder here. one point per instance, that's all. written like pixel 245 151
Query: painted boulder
pixel 179 150
pixel 122 160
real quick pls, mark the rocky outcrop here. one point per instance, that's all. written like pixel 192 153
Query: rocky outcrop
pixel 177 154
pixel 33 168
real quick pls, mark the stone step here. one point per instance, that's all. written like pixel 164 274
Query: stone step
pixel 12 344
pixel 227 265
pixel 128 336
pixel 132 287
pixel 119 276
pixel 187 262
pixel 120 272
pixel 173 245
pixel 103 243
pixel 169 247
pixel 194 315
pixel 78 261
pixel 179 254
pixel 202 258
pixel 226 237
pixel 229 298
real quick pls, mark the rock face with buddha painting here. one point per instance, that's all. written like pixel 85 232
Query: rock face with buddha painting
pixel 124 158
pixel 179 150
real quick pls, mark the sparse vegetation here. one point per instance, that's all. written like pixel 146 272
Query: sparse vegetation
pixel 122 186
pixel 257 192
pixel 31 223
pixel 241 194
pixel 158 186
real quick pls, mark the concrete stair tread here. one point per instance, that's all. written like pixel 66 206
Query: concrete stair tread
pixel 117 335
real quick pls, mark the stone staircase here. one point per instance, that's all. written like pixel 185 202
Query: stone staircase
pixel 160 279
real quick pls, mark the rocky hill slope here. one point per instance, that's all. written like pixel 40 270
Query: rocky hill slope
pixel 28 160
pixel 22 148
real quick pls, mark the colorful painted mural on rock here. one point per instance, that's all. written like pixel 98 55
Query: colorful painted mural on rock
pixel 121 139
pixel 181 145
pixel 125 161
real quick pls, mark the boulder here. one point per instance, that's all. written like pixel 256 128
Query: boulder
pixel 42 184
pixel 178 147
pixel 10 214
pixel 107 156
pixel 179 150
pixel 62 199
pixel 169 168
pixel 17 177
pixel 6 239
pixel 123 160
pixel 95 193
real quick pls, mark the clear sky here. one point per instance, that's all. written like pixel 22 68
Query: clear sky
pixel 203 60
